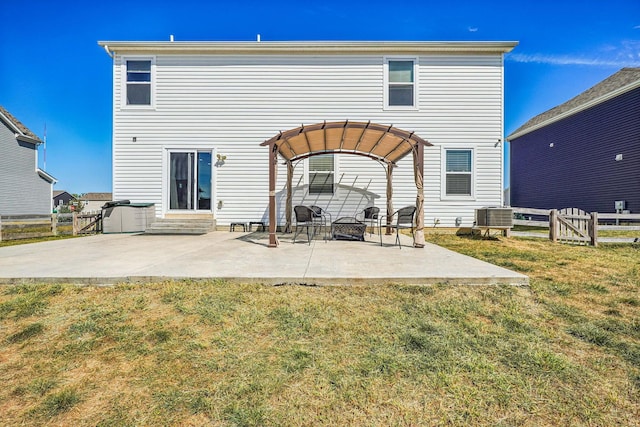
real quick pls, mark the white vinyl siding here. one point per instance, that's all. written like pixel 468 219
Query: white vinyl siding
pixel 232 103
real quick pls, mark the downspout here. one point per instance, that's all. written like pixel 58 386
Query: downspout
pixel 106 48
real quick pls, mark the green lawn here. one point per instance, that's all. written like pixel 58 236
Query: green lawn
pixel 563 351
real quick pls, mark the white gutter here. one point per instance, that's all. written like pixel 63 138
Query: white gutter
pixel 17 133
pixel 307 47
pixel 46 176
pixel 25 138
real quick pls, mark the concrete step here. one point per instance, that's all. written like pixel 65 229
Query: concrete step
pixel 181 226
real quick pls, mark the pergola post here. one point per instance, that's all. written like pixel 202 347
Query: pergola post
pixel 418 169
pixel 389 196
pixel 273 173
pixel 288 205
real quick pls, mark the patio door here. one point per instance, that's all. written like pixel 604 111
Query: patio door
pixel 190 180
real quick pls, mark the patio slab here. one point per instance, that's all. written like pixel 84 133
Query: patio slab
pixel 243 257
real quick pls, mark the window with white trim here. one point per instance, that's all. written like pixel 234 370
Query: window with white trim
pixel 321 174
pixel 459 173
pixel 138 82
pixel 401 85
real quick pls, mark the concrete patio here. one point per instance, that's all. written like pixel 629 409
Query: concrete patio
pixel 243 257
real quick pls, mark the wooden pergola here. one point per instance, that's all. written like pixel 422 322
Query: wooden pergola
pixel 385 144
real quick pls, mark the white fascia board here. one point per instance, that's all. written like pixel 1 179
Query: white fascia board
pixel 25 138
pixel 20 136
pixel 46 176
pixel 302 47
pixel 575 110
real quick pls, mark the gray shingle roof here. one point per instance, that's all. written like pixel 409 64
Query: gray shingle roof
pixel 619 80
pixel 17 124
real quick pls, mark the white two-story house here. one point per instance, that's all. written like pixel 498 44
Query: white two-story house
pixel 189 118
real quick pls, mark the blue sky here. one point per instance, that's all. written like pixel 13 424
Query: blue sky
pixel 53 72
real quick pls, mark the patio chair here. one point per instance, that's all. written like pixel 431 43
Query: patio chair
pixel 401 219
pixel 369 216
pixel 304 219
pixel 322 218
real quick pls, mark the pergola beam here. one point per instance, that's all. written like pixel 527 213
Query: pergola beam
pixel 364 129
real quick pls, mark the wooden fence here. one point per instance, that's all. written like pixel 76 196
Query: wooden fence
pixel 14 227
pixel 572 225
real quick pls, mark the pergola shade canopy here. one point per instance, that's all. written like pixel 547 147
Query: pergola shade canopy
pixel 379 142
pixel 382 143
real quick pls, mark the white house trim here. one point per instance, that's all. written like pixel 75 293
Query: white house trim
pixel 416 83
pixel 443 173
pixel 307 47
pixel 123 83
pixel 166 150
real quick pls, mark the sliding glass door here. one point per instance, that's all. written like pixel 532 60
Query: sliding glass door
pixel 190 180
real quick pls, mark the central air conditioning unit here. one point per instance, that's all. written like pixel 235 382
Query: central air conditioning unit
pixel 494 217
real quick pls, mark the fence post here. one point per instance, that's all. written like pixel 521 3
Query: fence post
pixel 75 223
pixel 54 224
pixel 593 229
pixel 553 225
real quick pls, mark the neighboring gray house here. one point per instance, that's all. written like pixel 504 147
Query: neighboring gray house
pixel 24 188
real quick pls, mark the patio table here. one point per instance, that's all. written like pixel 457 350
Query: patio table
pixel 348 228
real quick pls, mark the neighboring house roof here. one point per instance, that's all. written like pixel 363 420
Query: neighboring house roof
pixel 100 197
pixel 621 82
pixel 60 193
pixel 306 47
pixel 21 130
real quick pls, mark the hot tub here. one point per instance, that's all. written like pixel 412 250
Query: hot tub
pixel 125 217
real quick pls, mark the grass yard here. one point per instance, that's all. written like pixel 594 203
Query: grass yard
pixel 563 351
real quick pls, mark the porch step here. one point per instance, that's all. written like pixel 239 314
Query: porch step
pixel 181 226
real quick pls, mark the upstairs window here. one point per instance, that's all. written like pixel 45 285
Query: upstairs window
pixel 401 83
pixel 139 82
pixel 459 172
pixel 321 174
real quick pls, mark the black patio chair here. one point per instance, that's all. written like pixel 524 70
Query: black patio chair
pixel 304 219
pixel 322 218
pixel 369 216
pixel 401 219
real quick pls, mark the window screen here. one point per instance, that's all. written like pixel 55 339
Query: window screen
pixel 459 173
pixel 321 169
